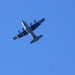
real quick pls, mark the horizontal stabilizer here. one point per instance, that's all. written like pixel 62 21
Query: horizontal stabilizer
pixel 36 39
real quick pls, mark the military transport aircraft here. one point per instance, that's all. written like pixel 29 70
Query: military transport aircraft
pixel 29 30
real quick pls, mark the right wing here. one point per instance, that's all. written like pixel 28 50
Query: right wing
pixel 21 34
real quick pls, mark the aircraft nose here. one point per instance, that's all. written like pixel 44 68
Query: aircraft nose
pixel 22 21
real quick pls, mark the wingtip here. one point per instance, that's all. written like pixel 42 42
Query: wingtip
pixel 14 38
pixel 43 18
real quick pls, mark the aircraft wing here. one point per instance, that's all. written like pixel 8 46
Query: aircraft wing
pixel 37 24
pixel 21 34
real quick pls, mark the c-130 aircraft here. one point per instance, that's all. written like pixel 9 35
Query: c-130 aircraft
pixel 29 30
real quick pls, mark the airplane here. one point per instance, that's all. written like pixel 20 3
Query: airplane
pixel 29 30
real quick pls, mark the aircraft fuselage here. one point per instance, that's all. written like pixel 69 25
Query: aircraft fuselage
pixel 28 29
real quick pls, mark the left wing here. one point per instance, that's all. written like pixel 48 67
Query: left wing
pixel 37 24
pixel 21 34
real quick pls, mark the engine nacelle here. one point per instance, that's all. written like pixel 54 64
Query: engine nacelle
pixel 23 29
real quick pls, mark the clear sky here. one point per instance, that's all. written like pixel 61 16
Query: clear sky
pixel 54 53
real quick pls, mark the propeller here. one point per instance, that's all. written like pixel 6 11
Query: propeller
pixel 35 21
pixel 31 24
pixel 23 29
pixel 19 31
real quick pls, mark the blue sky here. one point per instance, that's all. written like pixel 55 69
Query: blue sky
pixel 57 47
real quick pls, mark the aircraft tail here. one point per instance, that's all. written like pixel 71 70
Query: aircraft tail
pixel 36 39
